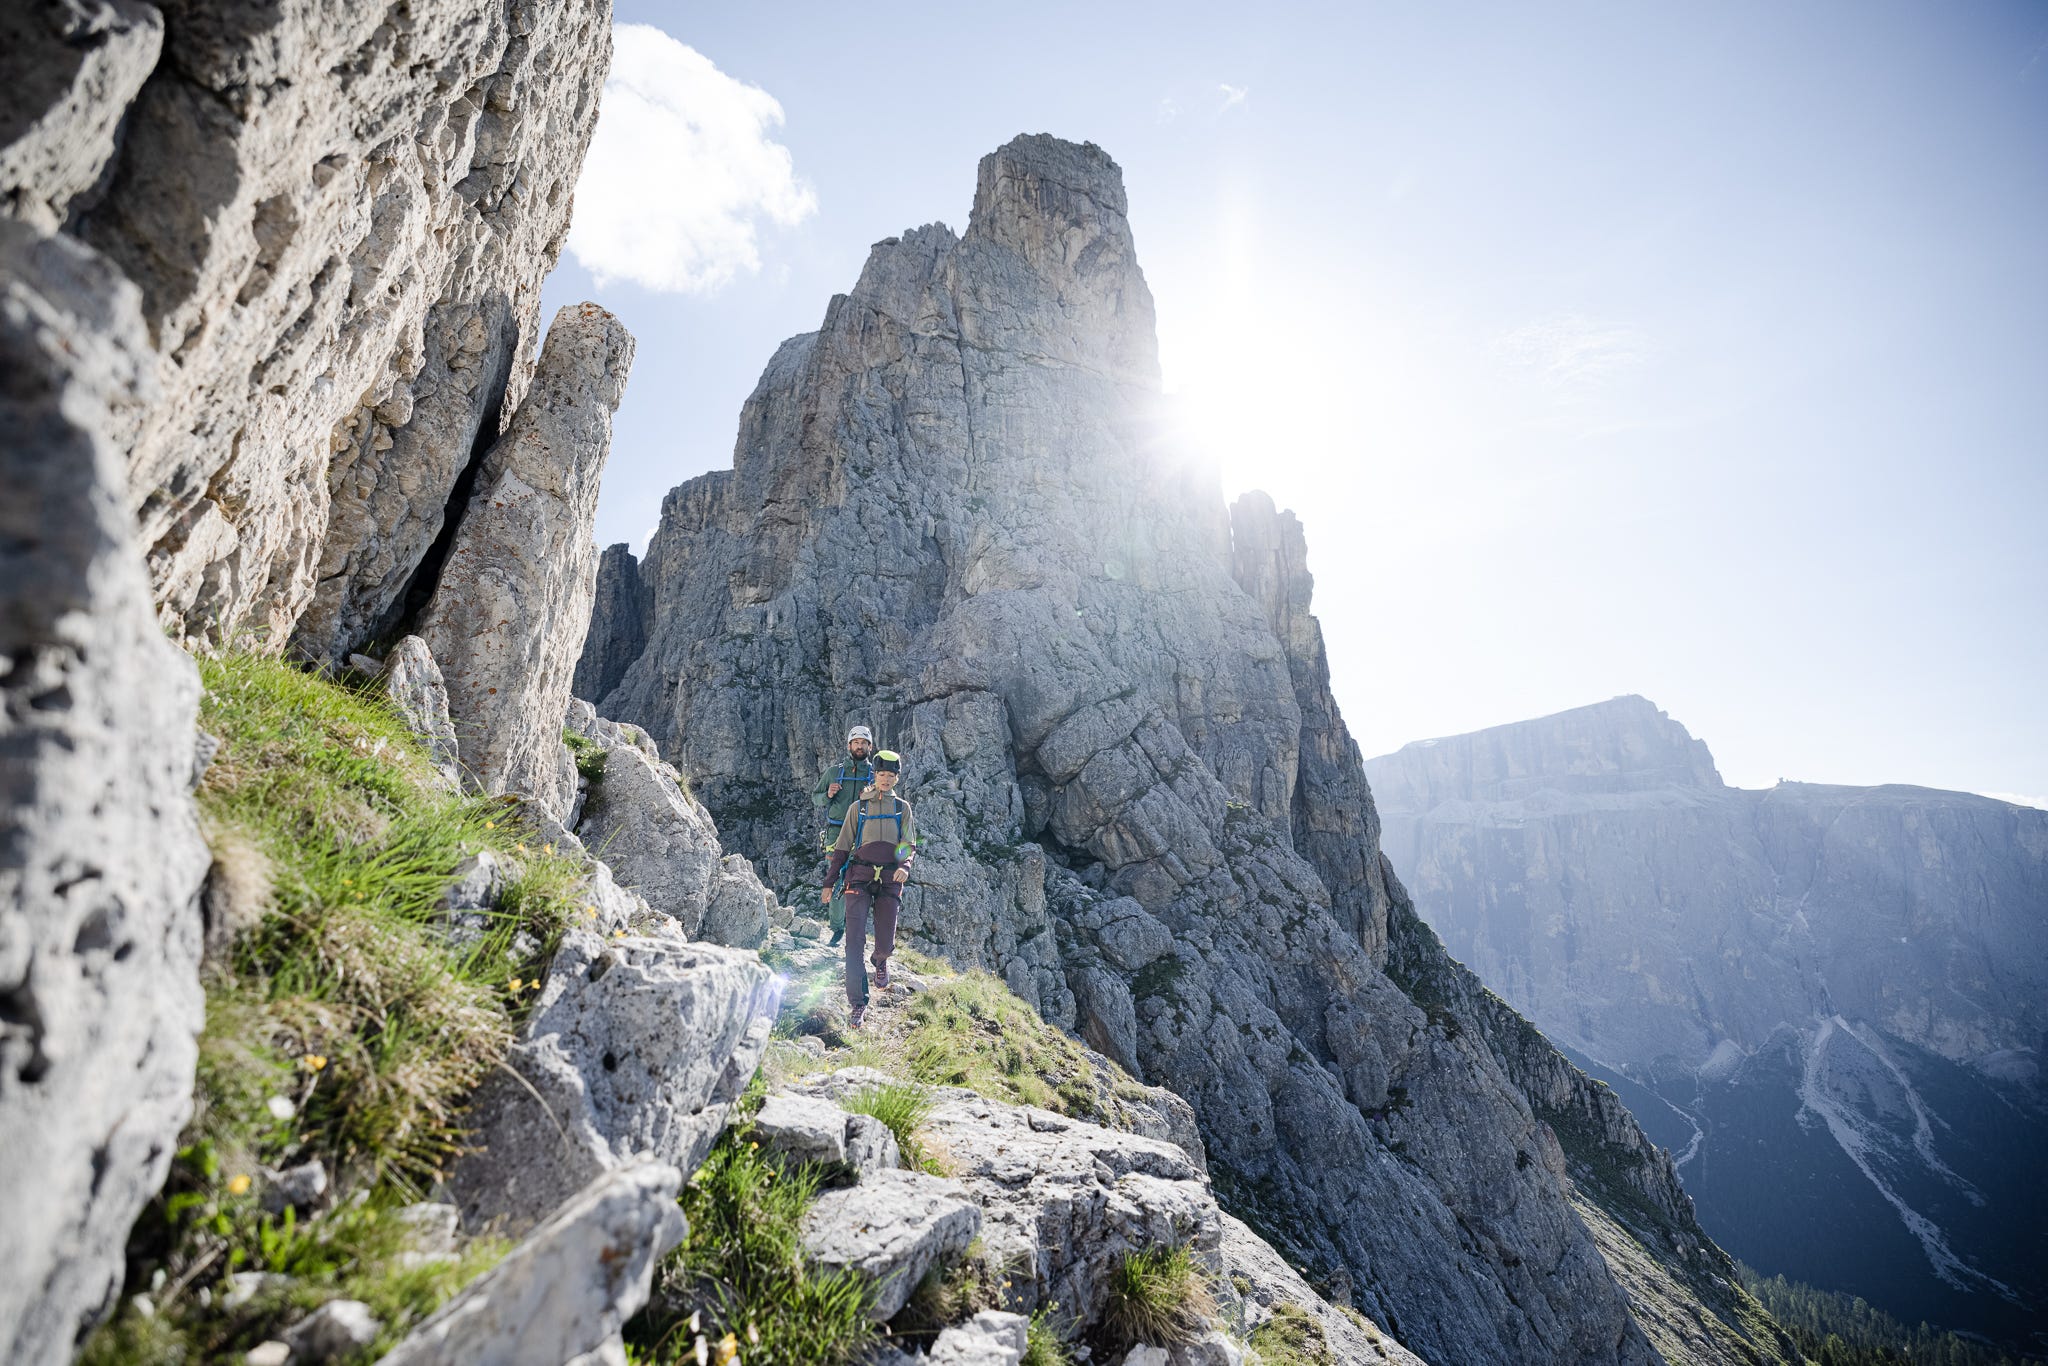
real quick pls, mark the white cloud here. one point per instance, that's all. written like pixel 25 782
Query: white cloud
pixel 1233 96
pixel 681 172
pixel 2018 799
pixel 1573 349
pixel 645 536
pixel 1167 110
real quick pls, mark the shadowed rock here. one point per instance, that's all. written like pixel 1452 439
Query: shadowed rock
pixel 638 1046
pixel 568 1289
pixel 100 860
pixel 513 600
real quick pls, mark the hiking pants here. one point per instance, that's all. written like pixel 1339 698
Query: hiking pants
pixel 885 899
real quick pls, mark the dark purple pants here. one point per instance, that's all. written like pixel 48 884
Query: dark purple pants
pixel 886 898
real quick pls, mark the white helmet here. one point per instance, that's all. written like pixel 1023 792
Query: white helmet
pixel 860 733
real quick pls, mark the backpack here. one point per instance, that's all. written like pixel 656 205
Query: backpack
pixel 840 775
pixel 860 821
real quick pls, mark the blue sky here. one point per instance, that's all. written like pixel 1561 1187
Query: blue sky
pixel 1694 351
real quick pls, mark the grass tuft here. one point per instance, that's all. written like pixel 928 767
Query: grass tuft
pixel 950 1293
pixel 1158 1295
pixel 971 1031
pixel 1043 1344
pixel 903 1108
pixel 342 1022
pixel 1292 1337
pixel 588 754
pixel 741 1271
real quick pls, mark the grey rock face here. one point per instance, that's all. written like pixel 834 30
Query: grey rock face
pixel 618 624
pixel 1269 1283
pixel 952 516
pixel 1065 1201
pixel 1335 825
pixel 661 842
pixel 638 1046
pixel 891 1228
pixel 567 1289
pixel 100 929
pixel 1872 959
pixel 68 69
pixel 340 217
pixel 509 611
pixel 413 681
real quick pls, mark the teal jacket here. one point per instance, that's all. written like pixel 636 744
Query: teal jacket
pixel 852 775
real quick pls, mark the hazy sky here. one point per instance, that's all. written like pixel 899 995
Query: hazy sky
pixel 1698 351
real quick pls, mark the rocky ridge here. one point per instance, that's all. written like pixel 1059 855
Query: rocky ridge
pixel 1869 960
pixel 951 517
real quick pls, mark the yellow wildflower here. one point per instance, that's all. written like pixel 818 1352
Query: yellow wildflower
pixel 519 847
pixel 313 1062
pixel 728 1349
pixel 238 1184
pixel 490 825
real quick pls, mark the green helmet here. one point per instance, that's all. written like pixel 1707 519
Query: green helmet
pixel 888 761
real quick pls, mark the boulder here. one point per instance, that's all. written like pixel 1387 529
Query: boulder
pixel 1064 1201
pixel 637 1046
pixel 569 1287
pixel 302 1188
pixel 412 680
pixel 1213 1348
pixel 100 923
pixel 806 1129
pixel 509 611
pixel 336 1329
pixel 662 843
pixel 990 1338
pixel 892 1228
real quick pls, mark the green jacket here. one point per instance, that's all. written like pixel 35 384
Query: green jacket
pixel 852 775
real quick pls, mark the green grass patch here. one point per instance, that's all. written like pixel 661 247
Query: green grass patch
pixel 353 1253
pixel 903 1108
pixel 949 1293
pixel 1158 1295
pixel 741 1272
pixel 589 756
pixel 971 1031
pixel 1292 1337
pixel 1043 1343
pixel 342 1021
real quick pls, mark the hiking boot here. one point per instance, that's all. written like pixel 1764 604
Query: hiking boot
pixel 838 935
pixel 856 1017
pixel 882 976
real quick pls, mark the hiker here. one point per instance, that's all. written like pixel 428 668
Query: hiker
pixel 871 859
pixel 839 786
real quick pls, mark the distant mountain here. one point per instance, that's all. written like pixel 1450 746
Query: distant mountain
pixel 1830 1002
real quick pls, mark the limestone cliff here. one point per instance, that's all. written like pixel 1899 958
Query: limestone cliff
pixel 952 517
pixel 1852 980
pixel 268 288
pixel 339 216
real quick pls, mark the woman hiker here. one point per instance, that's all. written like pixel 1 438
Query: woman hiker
pixel 876 843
